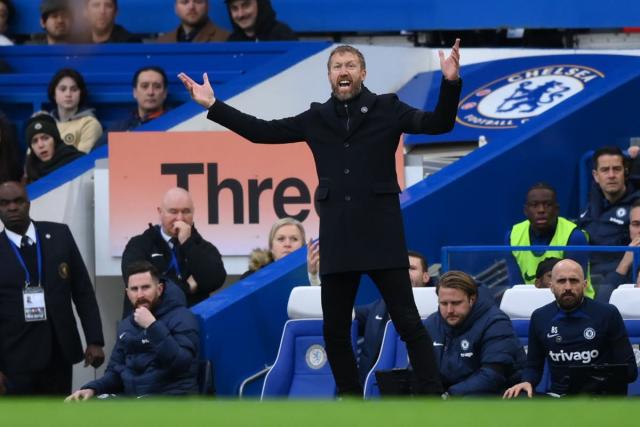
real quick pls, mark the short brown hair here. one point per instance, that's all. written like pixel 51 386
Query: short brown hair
pixel 347 49
pixel 458 280
pixel 142 266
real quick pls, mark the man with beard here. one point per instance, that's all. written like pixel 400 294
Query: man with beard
pixel 571 331
pixel 195 24
pixel 157 346
pixel 56 21
pixel 475 344
pixel 544 227
pixel 42 271
pixel 255 20
pixel 353 137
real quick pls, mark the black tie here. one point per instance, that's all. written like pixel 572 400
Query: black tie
pixel 30 257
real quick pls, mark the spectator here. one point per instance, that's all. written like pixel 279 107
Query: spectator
pixel 286 235
pixel 543 272
pixel 544 227
pixel 474 342
pixel 42 273
pixel 195 24
pixel 7 12
pixel 150 88
pixel 606 217
pixel 157 346
pixel 572 330
pixel 77 123
pixel 101 17
pixel 47 151
pixel 177 250
pixel 255 20
pixel 623 272
pixel 56 20
pixel 373 317
pixel 10 166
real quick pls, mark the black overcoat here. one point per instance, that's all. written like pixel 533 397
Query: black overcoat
pixel 361 226
pixel 26 346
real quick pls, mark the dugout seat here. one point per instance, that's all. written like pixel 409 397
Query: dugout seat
pixel 519 303
pixel 301 368
pixel 393 351
pixel 627 300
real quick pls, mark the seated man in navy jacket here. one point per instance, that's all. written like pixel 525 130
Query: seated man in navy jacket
pixel 157 346
pixel 474 342
pixel 573 331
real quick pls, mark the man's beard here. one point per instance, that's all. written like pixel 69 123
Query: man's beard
pixel 143 302
pixel 571 303
pixel 348 95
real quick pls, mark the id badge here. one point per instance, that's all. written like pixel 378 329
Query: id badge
pixel 35 309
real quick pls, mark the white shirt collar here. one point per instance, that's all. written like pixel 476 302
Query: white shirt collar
pixel 164 235
pixel 17 238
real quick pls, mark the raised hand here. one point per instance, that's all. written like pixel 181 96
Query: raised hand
pixel 313 257
pixel 450 65
pixel 200 93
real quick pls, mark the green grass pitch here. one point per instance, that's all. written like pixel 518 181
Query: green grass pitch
pixel 391 413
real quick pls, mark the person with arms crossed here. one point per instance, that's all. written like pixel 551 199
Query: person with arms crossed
pixel 353 137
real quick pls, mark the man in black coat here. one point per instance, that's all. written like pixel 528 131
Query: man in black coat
pixel 177 250
pixel 353 137
pixel 42 272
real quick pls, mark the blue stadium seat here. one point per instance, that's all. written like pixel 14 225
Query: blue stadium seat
pixel 301 369
pixel 519 303
pixel 393 351
pixel 627 300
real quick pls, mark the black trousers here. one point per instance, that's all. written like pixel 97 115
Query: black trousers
pixel 53 380
pixel 338 297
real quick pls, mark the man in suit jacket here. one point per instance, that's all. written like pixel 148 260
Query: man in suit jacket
pixel 353 137
pixel 39 343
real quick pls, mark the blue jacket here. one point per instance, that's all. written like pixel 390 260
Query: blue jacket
pixel 372 319
pixel 163 359
pixel 592 333
pixel 607 224
pixel 478 356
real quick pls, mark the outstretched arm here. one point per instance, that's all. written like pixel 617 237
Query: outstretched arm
pixel 450 65
pixel 201 93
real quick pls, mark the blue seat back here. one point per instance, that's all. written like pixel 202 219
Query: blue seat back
pixel 301 369
pixel 633 330
pixel 393 354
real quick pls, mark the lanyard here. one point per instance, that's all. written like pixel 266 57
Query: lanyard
pixel 27 281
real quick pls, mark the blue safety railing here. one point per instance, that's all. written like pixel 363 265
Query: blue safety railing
pixel 449 250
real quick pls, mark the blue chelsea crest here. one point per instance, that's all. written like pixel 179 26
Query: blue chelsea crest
pixel 513 100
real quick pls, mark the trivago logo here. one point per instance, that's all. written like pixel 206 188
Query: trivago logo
pixel 513 100
pixel 575 356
